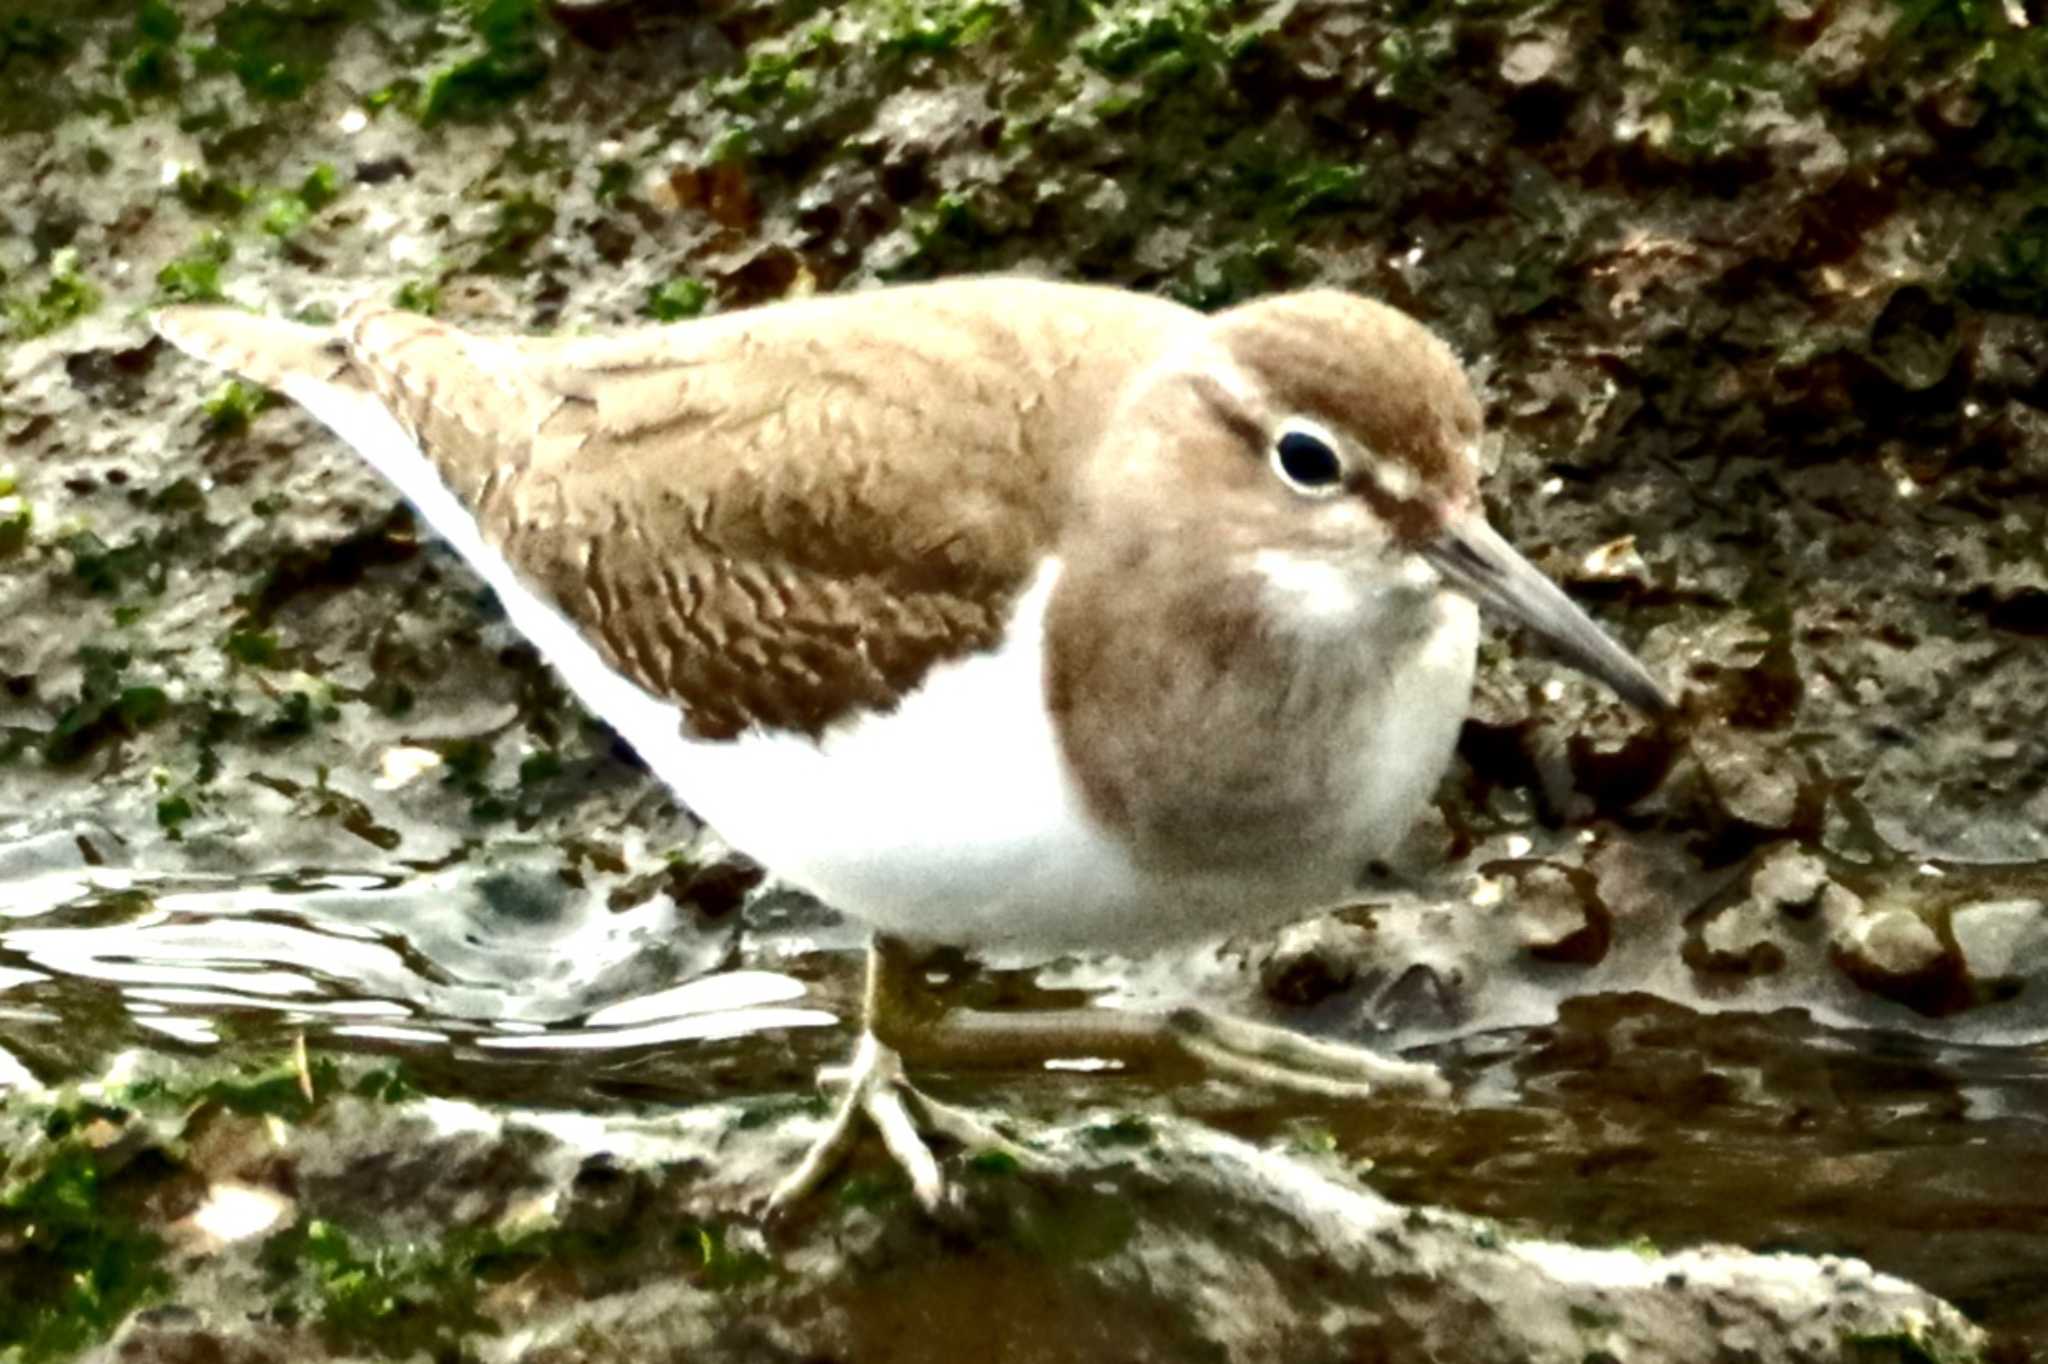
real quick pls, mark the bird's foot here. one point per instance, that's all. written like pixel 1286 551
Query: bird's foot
pixel 1262 1054
pixel 873 1085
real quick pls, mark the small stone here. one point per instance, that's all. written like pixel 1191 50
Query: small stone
pixel 1890 942
pixel 1740 940
pixel 1558 914
pixel 1314 960
pixel 1855 33
pixel 1424 998
pixel 1747 938
pixel 1916 341
pixel 1756 781
pixel 1530 61
pixel 2002 938
pixel 1616 561
pixel 1956 106
pixel 1839 907
pixel 1790 880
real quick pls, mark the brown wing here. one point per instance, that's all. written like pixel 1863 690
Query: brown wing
pixel 786 516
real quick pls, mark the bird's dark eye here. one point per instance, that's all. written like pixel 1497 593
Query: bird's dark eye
pixel 1308 460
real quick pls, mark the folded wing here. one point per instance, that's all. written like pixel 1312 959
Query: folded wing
pixel 780 518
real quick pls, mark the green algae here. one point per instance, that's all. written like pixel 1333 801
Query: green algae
pixel 401 1298
pixel 227 409
pixel 507 55
pixel 521 223
pixel 768 1112
pixel 17 520
pixel 2003 63
pixel 285 214
pixel 614 181
pixel 209 194
pixel 39 42
pixel 283 211
pixel 1413 59
pixel 2011 272
pixel 1900 1347
pixel 1312 1139
pixel 298 713
pixel 466 768
pixel 676 300
pixel 64 298
pixel 538 767
pixel 418 296
pixel 1713 24
pixel 320 187
pixel 1065 1226
pixel 149 64
pixel 172 812
pixel 1167 39
pixel 391 1299
pixel 867 1190
pixel 107 570
pixel 994 1164
pixel 774 77
pixel 194 277
pixel 252 648
pixel 718 1264
pixel 277 51
pixel 287 1087
pixel 389 1084
pixel 904 29
pixel 73 1261
pixel 107 707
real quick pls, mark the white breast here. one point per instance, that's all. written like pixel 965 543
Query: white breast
pixel 1403 727
pixel 952 818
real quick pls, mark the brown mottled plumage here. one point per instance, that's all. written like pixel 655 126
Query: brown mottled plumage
pixel 735 510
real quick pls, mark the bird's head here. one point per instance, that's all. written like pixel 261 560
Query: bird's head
pixel 1339 433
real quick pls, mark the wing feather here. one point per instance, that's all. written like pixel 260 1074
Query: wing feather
pixel 774 518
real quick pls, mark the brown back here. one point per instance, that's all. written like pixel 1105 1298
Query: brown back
pixel 783 516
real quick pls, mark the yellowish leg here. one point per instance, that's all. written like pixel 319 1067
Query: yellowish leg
pixel 873 1084
pixel 900 1019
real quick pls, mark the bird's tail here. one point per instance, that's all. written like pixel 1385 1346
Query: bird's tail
pixel 263 350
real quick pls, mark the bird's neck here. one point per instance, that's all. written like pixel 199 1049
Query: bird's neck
pixel 1218 706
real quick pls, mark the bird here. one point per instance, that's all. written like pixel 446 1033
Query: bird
pixel 997 613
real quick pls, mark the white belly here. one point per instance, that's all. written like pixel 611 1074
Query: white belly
pixel 952 819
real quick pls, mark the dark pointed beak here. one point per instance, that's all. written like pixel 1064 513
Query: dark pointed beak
pixel 1475 560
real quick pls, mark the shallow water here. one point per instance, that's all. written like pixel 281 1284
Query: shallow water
pixel 1626 1120
pixel 438 966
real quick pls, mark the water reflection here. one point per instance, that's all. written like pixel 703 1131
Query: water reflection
pixel 731 1004
pixel 517 960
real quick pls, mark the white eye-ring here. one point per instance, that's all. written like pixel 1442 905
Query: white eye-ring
pixel 1307 458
